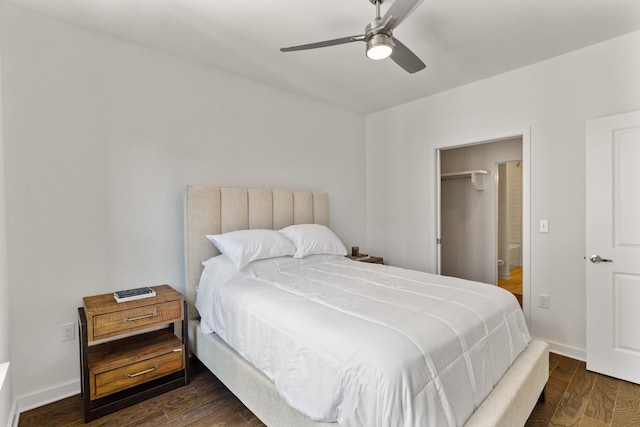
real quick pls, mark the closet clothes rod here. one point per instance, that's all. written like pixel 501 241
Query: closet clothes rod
pixel 476 176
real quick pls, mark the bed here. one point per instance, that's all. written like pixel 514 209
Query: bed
pixel 211 210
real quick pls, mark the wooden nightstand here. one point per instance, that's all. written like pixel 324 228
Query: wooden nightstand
pixel 369 259
pixel 118 372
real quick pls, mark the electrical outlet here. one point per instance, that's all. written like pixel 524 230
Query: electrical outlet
pixel 68 332
pixel 543 301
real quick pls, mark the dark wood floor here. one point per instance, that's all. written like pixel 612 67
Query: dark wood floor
pixel 575 397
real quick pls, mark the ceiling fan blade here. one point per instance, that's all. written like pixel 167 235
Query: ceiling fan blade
pixel 403 56
pixel 401 9
pixel 325 43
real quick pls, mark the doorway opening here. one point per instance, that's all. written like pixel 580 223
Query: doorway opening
pixel 509 199
pixel 472 242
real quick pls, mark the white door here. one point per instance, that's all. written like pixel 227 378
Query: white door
pixel 613 246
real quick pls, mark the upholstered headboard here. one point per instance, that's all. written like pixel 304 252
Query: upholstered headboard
pixel 213 210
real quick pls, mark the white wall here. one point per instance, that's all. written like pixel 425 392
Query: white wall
pixel 554 98
pixel 6 389
pixel 469 217
pixel 101 136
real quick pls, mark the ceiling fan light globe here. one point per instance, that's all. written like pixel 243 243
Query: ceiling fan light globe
pixel 379 46
pixel 379 52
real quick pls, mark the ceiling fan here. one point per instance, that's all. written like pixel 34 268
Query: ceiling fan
pixel 378 35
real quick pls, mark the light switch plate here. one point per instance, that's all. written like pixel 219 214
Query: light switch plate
pixel 544 225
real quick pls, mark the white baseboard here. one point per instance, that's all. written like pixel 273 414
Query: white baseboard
pixel 565 350
pixel 44 397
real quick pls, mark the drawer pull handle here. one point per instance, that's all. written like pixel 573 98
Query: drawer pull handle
pixel 143 372
pixel 133 319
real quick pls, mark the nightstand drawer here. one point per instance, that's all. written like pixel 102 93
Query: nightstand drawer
pixel 119 365
pixel 119 322
pixel 136 373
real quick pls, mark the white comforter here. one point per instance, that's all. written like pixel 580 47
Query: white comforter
pixel 365 344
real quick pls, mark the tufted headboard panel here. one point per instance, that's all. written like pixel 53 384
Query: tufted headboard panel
pixel 214 210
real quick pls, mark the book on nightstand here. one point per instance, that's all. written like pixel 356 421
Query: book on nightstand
pixel 132 294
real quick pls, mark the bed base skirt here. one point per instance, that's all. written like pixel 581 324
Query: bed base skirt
pixel 509 403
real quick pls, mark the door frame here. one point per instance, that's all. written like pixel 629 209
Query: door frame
pixel 525 135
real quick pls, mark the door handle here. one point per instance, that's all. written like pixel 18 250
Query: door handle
pixel 596 259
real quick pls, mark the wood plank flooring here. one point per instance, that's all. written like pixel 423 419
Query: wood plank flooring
pixel 574 397
pixel 577 397
pixel 514 283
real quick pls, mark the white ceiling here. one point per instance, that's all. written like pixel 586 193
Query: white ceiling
pixel 461 41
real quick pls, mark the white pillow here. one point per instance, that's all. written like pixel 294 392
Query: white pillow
pixel 313 239
pixel 245 246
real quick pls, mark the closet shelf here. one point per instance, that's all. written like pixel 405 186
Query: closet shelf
pixel 476 176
